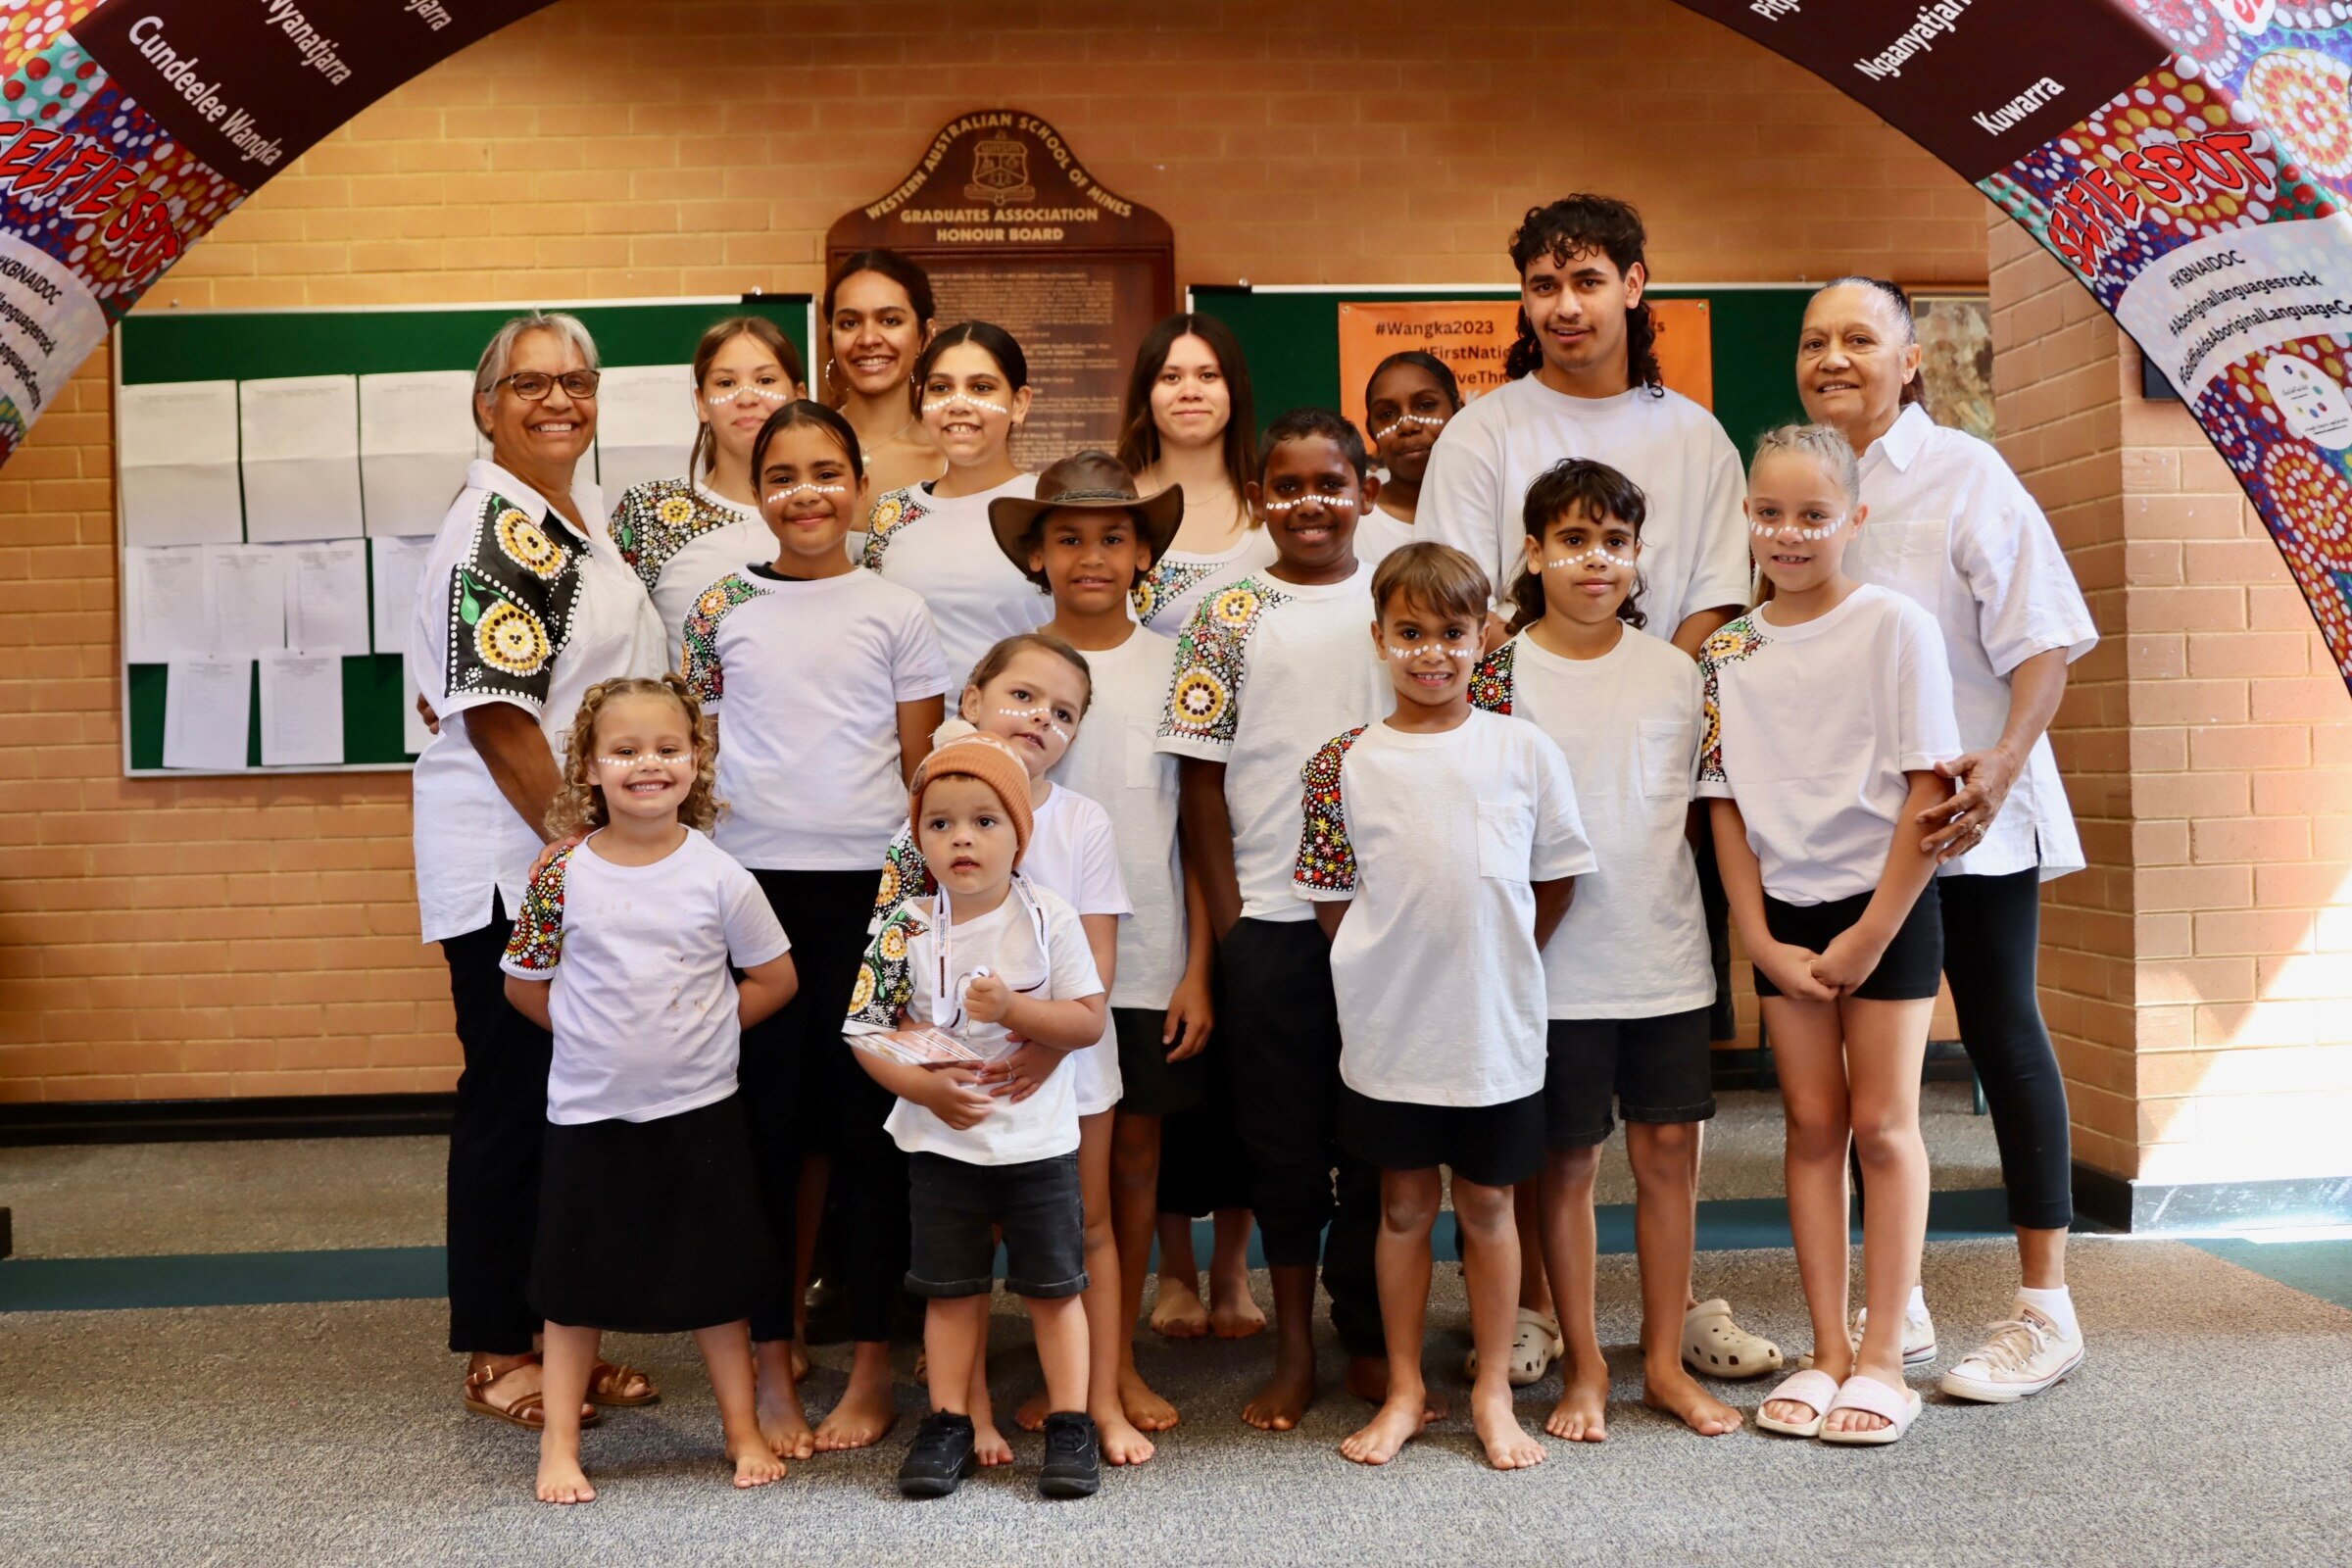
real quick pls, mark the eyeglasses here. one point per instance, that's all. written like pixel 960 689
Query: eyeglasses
pixel 533 386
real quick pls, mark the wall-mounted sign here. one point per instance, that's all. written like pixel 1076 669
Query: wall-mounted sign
pixel 1013 229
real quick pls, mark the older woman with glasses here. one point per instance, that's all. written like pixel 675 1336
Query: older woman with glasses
pixel 523 604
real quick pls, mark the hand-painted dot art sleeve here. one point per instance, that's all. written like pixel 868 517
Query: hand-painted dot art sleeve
pixel 885 986
pixel 510 606
pixel 904 875
pixel 537 945
pixel 1733 643
pixel 1204 706
pixel 1326 867
pixel 1491 682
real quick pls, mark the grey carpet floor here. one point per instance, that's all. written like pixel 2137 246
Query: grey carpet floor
pixel 297 1195
pixel 330 1435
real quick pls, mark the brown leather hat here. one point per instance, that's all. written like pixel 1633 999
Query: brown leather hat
pixel 1088 481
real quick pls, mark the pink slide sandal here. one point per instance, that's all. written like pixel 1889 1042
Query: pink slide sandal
pixel 1901 1406
pixel 1815 1390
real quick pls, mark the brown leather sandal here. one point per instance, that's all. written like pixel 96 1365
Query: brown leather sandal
pixel 607 1379
pixel 525 1410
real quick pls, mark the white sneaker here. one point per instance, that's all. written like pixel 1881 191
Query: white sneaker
pixel 1919 1336
pixel 2024 1356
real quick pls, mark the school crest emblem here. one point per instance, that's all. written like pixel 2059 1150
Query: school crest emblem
pixel 1000 172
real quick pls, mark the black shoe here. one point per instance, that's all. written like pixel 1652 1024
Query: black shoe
pixel 939 1457
pixel 1073 1465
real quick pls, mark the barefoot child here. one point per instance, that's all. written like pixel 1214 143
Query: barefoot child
pixel 830 683
pixel 1268 668
pixel 1087 537
pixel 1438 848
pixel 649 1204
pixel 1408 399
pixel 1032 692
pixel 1827 710
pixel 1626 974
pixel 987 958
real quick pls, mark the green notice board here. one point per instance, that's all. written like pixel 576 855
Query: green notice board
pixel 1292 337
pixel 252 345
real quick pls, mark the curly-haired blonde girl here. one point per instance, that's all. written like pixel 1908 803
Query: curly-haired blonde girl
pixel 579 805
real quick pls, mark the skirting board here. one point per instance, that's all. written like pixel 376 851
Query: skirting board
pixel 162 1121
pixel 2205 1208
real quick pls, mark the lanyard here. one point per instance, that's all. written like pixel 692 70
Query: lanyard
pixel 947 996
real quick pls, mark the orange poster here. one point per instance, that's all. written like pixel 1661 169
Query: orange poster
pixel 1472 337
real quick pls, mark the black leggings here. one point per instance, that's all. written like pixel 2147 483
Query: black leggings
pixel 802 1086
pixel 1991 936
pixel 494 1147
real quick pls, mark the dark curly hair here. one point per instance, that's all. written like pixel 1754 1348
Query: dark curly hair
pixel 1576 225
pixel 1596 490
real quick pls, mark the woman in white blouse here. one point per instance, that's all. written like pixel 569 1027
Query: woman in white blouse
pixel 1951 528
pixel 523 604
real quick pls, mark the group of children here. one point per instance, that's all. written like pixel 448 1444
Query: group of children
pixel 1428 880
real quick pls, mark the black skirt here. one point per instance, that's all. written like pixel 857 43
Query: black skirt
pixel 1911 969
pixel 652 1227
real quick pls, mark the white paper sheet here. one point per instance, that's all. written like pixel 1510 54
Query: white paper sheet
pixel 398 562
pixel 164 614
pixel 327 584
pixel 177 449
pixel 245 590
pixel 412 734
pixel 301 708
pixel 416 436
pixel 645 425
pixel 208 714
pixel 302 458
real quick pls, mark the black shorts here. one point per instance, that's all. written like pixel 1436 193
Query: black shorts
pixel 1654 1069
pixel 1151 1085
pixel 1494 1146
pixel 1910 970
pixel 957 1207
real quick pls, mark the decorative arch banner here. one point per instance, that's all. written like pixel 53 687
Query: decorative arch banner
pixel 129 128
pixel 2190 161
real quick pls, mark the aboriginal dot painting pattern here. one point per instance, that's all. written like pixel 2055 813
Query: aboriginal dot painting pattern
pixel 2198 29
pixel 28 29
pixel 62 88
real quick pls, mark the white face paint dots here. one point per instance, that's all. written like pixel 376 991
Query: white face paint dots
pixel 1599 555
pixel 658 758
pixel 1329 503
pixel 1449 650
pixel 1782 530
pixel 1041 715
pixel 783 498
pixel 965 400
pixel 1403 420
pixel 765 394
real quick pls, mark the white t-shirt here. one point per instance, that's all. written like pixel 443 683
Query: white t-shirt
pixel 1166 597
pixel 945 551
pixel 1074 854
pixel 680 537
pixel 512 607
pixel 643 999
pixel 1437 839
pixel 805 676
pixel 1633 943
pixel 1694 540
pixel 1811 729
pixel 1267 671
pixel 1034 942
pixel 1952 529
pixel 1114 762
pixel 1379 533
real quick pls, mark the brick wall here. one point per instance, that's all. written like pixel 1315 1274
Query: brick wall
pixel 240 937
pixel 2198 975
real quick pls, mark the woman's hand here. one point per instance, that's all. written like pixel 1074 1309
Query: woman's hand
pixel 1984 780
pixel 1790 968
pixel 1849 959
pixel 549 851
pixel 954 1095
pixel 1191 1018
pixel 432 720
pixel 1014 1078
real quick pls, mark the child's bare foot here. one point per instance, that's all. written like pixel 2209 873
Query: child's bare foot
pixel 1177 1311
pixel 863 1414
pixel 1582 1413
pixel 1031 1416
pixel 560 1480
pixel 783 1424
pixel 1671 1388
pixel 1368 1380
pixel 1121 1443
pixel 1233 1312
pixel 756 1463
pixel 1286 1395
pixel 1394 1424
pixel 1507 1443
pixel 1143 1407
pixel 989 1447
